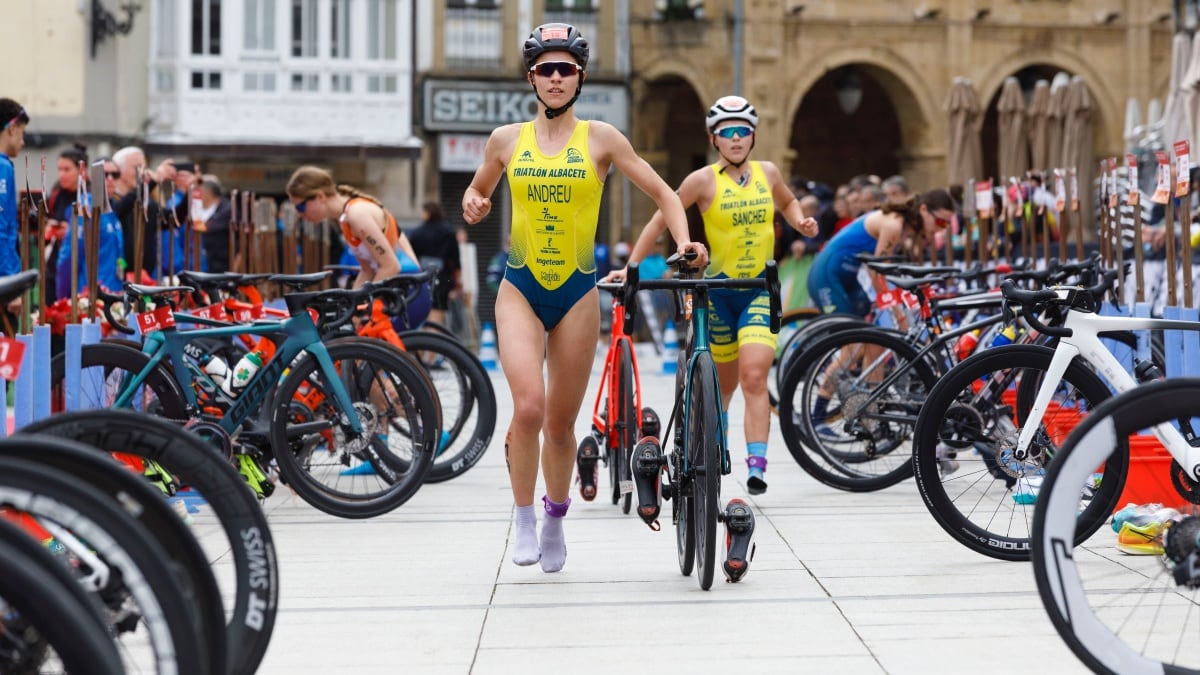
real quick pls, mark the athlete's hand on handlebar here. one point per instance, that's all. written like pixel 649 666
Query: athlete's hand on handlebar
pixel 700 250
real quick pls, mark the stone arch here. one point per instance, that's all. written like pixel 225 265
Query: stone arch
pixel 1107 107
pixel 917 110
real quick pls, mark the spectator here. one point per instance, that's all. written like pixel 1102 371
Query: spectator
pixel 61 205
pixel 109 273
pixel 436 244
pixel 212 221
pixel 895 190
pixel 495 269
pixel 871 198
pixel 12 138
pixel 128 160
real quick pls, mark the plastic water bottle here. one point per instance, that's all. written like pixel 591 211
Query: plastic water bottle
pixel 245 369
pixel 218 370
pixel 1004 337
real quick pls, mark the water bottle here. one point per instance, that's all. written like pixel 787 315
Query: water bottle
pixel 966 345
pixel 1004 337
pixel 218 370
pixel 245 369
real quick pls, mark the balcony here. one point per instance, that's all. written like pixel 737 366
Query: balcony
pixel 265 101
pixel 472 39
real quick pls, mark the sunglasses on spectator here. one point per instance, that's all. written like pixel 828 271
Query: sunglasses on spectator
pixel 942 223
pixel 113 174
pixel 741 132
pixel 563 68
pixel 300 206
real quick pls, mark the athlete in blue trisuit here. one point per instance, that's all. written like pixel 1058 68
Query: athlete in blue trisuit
pixel 833 279
pixel 547 305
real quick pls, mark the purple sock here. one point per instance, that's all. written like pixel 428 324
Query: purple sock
pixel 554 546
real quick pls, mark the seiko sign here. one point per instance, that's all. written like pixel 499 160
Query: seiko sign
pixel 451 105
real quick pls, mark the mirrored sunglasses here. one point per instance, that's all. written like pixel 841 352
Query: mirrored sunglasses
pixel 563 68
pixel 301 206
pixel 728 132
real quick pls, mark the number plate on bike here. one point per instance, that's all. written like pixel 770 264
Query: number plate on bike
pixel 11 354
pixel 625 487
pixel 251 314
pixel 214 312
pixel 157 319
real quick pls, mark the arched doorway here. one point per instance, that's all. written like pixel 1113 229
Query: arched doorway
pixel 669 132
pixel 849 123
pixel 989 135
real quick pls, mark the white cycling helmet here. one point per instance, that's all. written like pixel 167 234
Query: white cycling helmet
pixel 731 108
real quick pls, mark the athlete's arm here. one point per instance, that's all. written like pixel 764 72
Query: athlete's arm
pixel 477 202
pixel 695 188
pixel 615 148
pixel 787 204
pixel 366 223
pixel 888 228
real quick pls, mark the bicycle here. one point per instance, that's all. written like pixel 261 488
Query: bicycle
pixel 1014 406
pixel 699 454
pixel 618 418
pixel 328 406
pixel 1125 613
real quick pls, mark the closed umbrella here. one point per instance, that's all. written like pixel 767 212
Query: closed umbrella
pixel 1175 118
pixel 1038 114
pixel 1077 140
pixel 1056 114
pixel 1013 153
pixel 963 155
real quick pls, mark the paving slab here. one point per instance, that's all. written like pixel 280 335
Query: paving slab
pixel 841 583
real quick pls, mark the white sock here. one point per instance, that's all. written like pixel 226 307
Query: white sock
pixel 525 550
pixel 554 546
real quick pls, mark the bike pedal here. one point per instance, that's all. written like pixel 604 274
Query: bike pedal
pixel 586 458
pixel 646 466
pixel 739 540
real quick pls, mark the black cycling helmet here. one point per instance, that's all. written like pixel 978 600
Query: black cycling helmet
pixel 550 37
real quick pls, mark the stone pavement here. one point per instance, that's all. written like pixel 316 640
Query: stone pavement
pixel 841 583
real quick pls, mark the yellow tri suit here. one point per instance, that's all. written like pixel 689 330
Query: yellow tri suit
pixel 555 206
pixel 740 227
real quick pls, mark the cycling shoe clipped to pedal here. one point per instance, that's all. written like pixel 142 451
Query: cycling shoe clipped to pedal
pixel 586 458
pixel 646 466
pixel 739 540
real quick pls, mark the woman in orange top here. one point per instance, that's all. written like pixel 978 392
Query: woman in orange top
pixel 371 231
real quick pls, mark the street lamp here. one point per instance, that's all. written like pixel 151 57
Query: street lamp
pixel 849 87
pixel 105 24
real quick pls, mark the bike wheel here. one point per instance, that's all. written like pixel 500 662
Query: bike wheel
pixel 864 444
pixel 681 509
pixel 790 326
pixel 50 623
pixel 105 369
pixel 1123 613
pixel 704 442
pixel 964 449
pixel 467 398
pixel 252 564
pixel 120 561
pixel 147 507
pixel 335 469
pixel 626 424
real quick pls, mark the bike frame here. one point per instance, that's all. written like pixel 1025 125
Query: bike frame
pixel 301 337
pixel 608 377
pixel 1084 342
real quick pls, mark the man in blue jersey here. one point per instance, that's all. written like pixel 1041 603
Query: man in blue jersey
pixel 13 119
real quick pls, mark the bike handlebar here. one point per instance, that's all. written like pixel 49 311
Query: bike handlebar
pixel 769 281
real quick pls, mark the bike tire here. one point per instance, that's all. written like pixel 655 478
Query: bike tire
pixel 1142 618
pixel 704 442
pixel 626 422
pixel 173 641
pixel 472 423
pixel 400 462
pixel 39 592
pixel 249 626
pixel 969 504
pixel 838 461
pixel 169 400
pixel 146 506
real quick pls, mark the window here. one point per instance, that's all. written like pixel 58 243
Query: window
pixel 475 4
pixel 339 29
pixel 572 5
pixel 206 79
pixel 166 29
pixel 381 30
pixel 259 26
pixel 304 28
pixel 258 81
pixel 679 9
pixel 386 84
pixel 206 27
pixel 341 83
pixel 304 81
